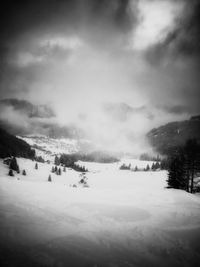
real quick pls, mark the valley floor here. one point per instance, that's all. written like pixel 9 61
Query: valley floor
pixel 123 218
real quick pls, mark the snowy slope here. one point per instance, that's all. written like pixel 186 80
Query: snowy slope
pixel 124 218
pixel 48 147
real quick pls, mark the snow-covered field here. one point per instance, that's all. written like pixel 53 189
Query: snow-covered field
pixel 124 218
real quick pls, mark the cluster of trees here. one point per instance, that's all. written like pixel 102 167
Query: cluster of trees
pixel 96 156
pixel 39 159
pixel 147 157
pixel 13 146
pixel 125 167
pixel 155 166
pixel 57 170
pixel 184 166
pixel 70 162
pixel 13 166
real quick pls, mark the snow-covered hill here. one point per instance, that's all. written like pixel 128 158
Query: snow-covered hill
pixel 49 147
pixel 124 218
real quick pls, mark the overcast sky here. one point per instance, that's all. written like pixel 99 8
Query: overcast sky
pixel 117 66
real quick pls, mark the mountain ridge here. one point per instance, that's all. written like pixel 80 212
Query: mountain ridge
pixel 164 138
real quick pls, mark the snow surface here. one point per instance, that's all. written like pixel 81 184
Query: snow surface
pixel 124 218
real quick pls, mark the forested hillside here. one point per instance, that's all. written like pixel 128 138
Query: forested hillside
pixel 13 146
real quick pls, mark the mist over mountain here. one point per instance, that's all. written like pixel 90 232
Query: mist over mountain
pixel 123 112
pixel 21 117
pixel 31 110
pixel 130 132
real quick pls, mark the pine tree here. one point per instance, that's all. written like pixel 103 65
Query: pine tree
pixel 36 166
pixel 13 164
pixel 184 166
pixel 24 172
pixel 49 178
pixel 10 173
pixel 136 169
pixel 64 169
pixel 192 162
pixel 52 170
pixel 176 174
pixel 157 165
pixel 57 160
pixel 147 167
pixel 55 169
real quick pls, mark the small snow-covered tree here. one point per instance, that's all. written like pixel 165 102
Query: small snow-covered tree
pixel 24 172
pixel 52 170
pixel 36 166
pixel 49 178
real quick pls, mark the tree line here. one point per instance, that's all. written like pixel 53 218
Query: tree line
pixel 184 166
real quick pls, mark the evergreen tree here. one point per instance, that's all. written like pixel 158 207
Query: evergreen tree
pixel 64 169
pixel 52 170
pixel 136 169
pixel 57 160
pixel 49 178
pixel 24 172
pixel 13 164
pixel 36 166
pixel 55 169
pixel 147 167
pixel 192 162
pixel 176 173
pixel 153 167
pixel 157 165
pixel 59 171
pixel 10 173
pixel 184 166
pixel 164 164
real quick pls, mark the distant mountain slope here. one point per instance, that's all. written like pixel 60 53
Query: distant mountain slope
pixel 13 146
pixel 173 134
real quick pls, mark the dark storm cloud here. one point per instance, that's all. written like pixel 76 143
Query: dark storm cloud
pixel 24 22
pixel 183 40
pixel 174 109
pixel 21 17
